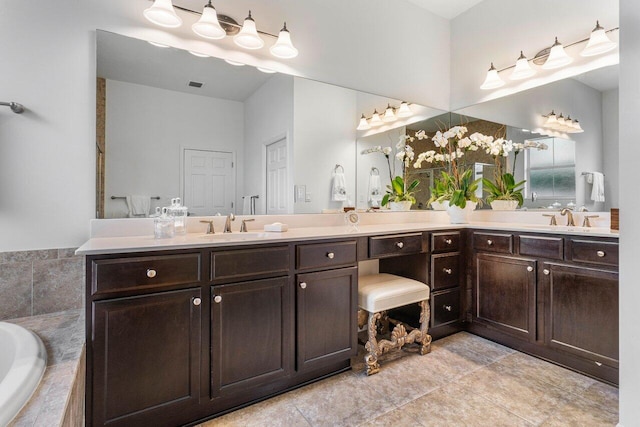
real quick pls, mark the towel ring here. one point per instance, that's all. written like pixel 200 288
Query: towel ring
pixel 338 169
pixel 374 171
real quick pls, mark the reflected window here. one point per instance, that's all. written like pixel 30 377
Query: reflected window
pixel 551 173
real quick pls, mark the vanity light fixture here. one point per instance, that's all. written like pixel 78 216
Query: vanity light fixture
pixel 493 80
pixel 598 42
pixel 561 124
pixel 363 125
pixel 404 110
pixel 389 115
pixel 234 63
pixel 375 119
pixel 557 57
pixel 214 26
pixel 522 69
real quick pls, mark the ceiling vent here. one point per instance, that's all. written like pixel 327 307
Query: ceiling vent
pixel 195 84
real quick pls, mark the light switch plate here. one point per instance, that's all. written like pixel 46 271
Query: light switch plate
pixel 307 197
pixel 300 192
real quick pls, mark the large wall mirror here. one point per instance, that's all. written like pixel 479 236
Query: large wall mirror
pixel 223 137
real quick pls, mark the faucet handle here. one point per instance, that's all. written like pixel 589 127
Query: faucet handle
pixel 553 219
pixel 210 229
pixel 243 227
pixel 586 222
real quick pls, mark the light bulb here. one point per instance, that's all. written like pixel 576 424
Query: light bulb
pixel 598 42
pixel 522 69
pixel 162 13
pixel 404 110
pixel 208 25
pixel 248 37
pixel 493 80
pixel 557 57
pixel 389 115
pixel 284 48
pixel 375 119
pixel 363 125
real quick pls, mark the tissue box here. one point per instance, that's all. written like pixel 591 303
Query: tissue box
pixel 276 226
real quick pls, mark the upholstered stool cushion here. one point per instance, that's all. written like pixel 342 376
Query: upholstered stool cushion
pixel 380 292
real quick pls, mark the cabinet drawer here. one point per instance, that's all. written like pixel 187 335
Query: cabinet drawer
pixel 243 264
pixel 121 274
pixel 594 252
pixel 445 271
pixel 544 247
pixel 399 244
pixel 493 242
pixel 445 242
pixel 446 307
pixel 322 255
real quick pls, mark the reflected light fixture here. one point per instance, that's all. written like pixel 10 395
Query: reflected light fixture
pixel 162 13
pixel 522 69
pixel 389 115
pixel 363 125
pixel 248 37
pixel 561 124
pixel 234 63
pixel 598 42
pixel 493 80
pixel 208 25
pixel 375 119
pixel 266 70
pixel 283 47
pixel 404 110
pixel 557 57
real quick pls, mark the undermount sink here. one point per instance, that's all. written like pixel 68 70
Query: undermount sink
pixel 235 236
pixel 565 228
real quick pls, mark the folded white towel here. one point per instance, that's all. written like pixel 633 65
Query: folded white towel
pixel 597 192
pixel 246 205
pixel 138 206
pixel 339 188
pixel 375 190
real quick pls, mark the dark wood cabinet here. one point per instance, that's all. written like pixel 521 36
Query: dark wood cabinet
pixel 145 359
pixel 505 294
pixel 326 323
pixel 251 335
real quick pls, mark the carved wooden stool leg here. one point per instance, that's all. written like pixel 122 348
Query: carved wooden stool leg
pixel 384 322
pixel 362 318
pixel 425 316
pixel 371 359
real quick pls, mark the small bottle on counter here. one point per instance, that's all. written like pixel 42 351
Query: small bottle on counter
pixel 179 214
pixel 164 225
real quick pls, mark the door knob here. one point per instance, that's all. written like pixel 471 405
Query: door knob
pixel 303 285
pixel 151 273
pixel 529 268
pixel 217 299
pixel 400 245
pixel 197 301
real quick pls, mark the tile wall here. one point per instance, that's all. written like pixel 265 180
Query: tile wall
pixel 40 281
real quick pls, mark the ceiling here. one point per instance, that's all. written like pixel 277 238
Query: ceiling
pixel 446 8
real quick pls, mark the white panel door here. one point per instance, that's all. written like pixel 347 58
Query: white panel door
pixel 277 174
pixel 209 182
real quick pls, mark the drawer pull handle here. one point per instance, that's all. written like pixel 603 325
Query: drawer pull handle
pixel 546 272
pixel 197 301
pixel 599 363
pixel 303 285
pixel 601 254
pixel 448 241
pixel 331 255
pixel 447 307
pixel 529 268
pixel 217 299
pixel 447 270
pixel 489 242
pixel 400 245
pixel 151 273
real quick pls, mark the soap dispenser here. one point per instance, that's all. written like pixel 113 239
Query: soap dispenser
pixel 163 225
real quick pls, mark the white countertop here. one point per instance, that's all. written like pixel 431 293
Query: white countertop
pixel 133 243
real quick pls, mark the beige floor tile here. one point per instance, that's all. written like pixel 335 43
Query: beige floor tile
pixel 464 343
pixel 603 396
pixel 580 412
pixel 397 417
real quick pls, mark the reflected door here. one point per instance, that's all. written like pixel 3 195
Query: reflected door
pixel 209 182
pixel 277 178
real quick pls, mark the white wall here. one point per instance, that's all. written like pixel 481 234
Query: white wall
pixel 47 161
pixel 525 109
pixel 629 207
pixel 146 129
pixel 324 131
pixel 268 117
pixel 610 148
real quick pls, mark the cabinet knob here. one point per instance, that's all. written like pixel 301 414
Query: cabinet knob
pixel 598 363
pixel 529 268
pixel 331 255
pixel 448 241
pixel 601 254
pixel 447 307
pixel 303 285
pixel 151 273
pixel 217 299
pixel 489 242
pixel 546 272
pixel 400 245
pixel 447 270
pixel 197 301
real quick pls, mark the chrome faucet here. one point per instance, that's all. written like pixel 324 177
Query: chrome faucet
pixel 569 214
pixel 227 223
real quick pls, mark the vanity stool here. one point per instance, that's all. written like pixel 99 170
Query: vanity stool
pixel 378 293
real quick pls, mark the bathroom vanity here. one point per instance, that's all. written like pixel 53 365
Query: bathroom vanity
pixel 198 327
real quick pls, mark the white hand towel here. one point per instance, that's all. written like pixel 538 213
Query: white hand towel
pixel 339 188
pixel 138 206
pixel 246 205
pixel 597 192
pixel 375 189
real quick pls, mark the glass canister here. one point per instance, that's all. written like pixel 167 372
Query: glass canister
pixel 179 213
pixel 163 225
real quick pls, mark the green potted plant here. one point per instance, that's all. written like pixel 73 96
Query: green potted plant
pixel 399 196
pixel 437 200
pixel 504 193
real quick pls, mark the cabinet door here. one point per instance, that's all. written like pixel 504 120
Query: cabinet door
pixel 326 323
pixel 582 313
pixel 251 334
pixel 145 363
pixel 505 294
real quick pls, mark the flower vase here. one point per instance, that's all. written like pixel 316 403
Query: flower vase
pixel 504 205
pixel 405 205
pixel 458 215
pixel 439 206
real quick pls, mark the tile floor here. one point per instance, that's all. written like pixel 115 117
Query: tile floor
pixel 465 381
